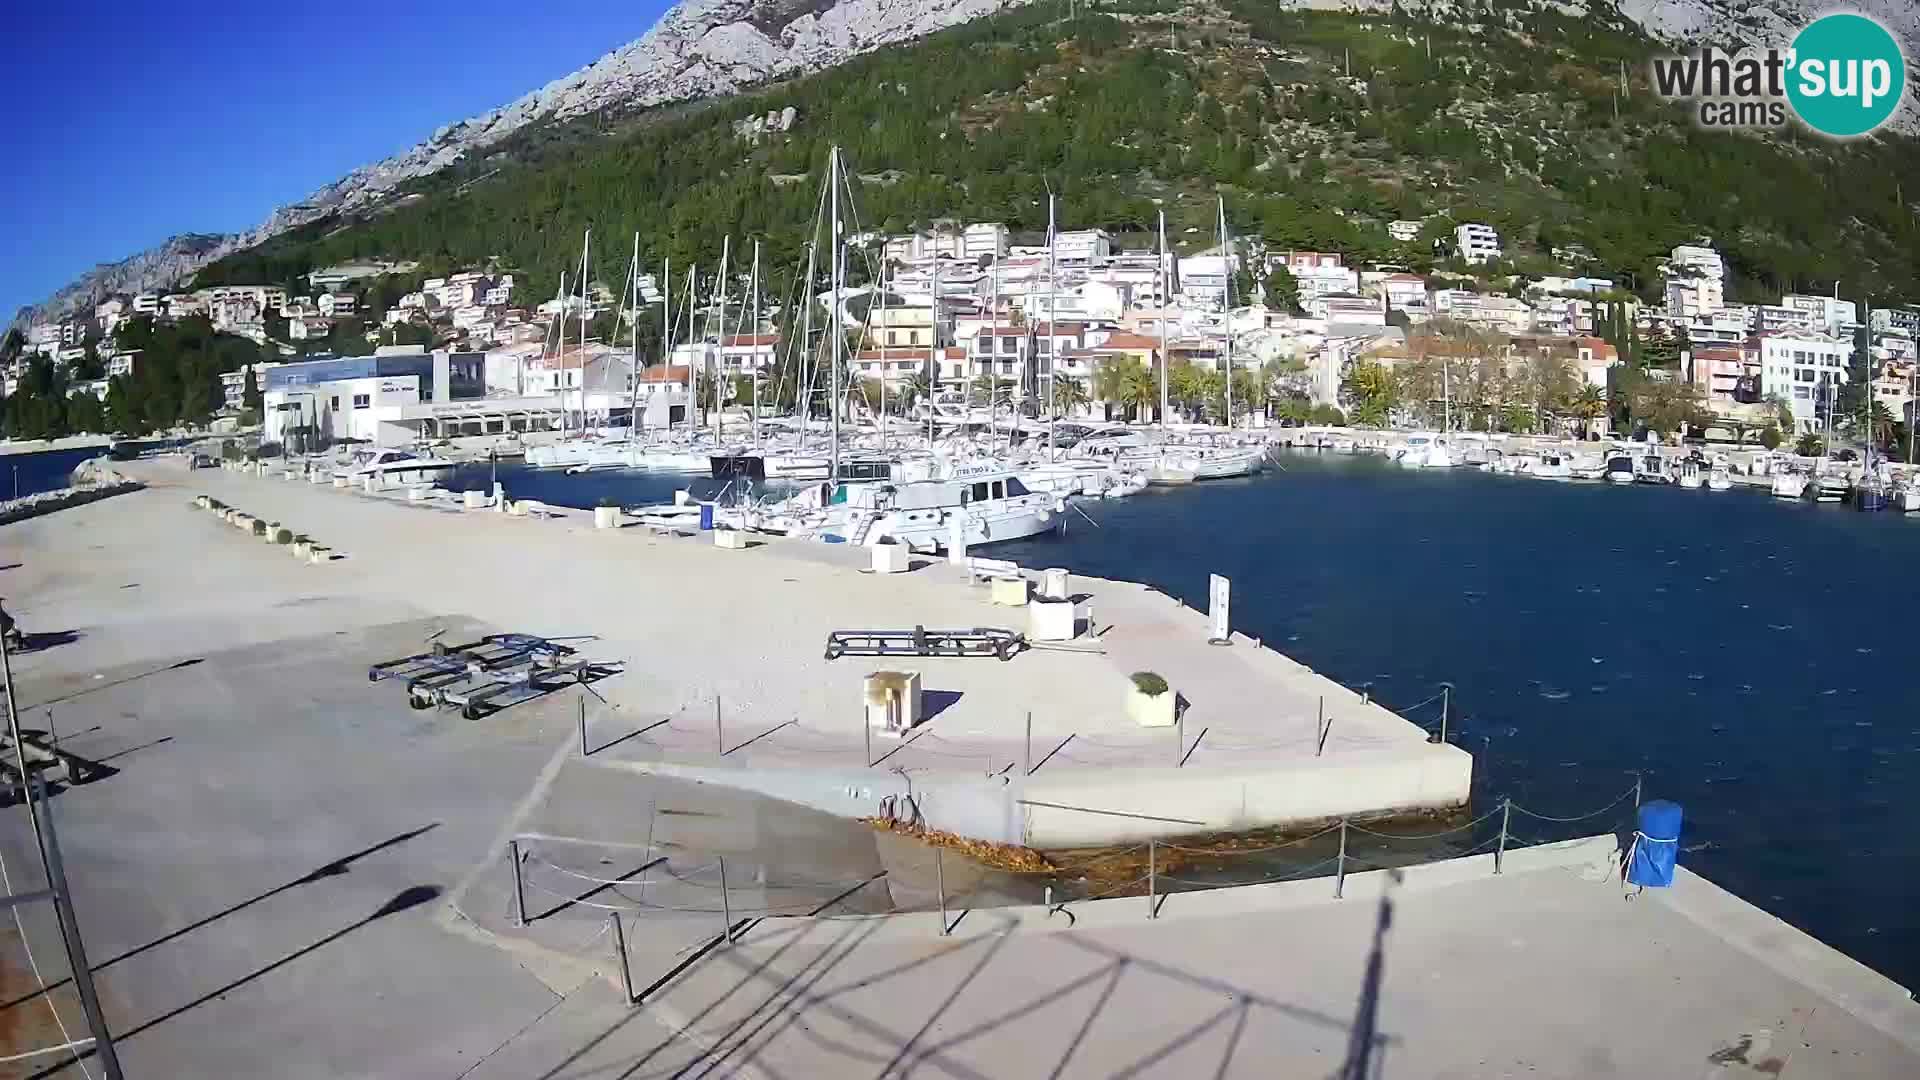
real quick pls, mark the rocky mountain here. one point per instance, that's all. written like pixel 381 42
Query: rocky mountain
pixel 706 48
pixel 172 260
pixel 699 48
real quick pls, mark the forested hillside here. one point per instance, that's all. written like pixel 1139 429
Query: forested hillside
pixel 1317 127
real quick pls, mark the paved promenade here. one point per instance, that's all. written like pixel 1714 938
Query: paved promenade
pixel 289 873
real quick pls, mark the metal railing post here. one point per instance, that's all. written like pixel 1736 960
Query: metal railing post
pixel 70 929
pixel 1320 728
pixel 726 905
pixel 1446 703
pixel 1153 883
pixel 866 725
pixel 1340 870
pixel 940 883
pixel 620 949
pixel 583 725
pixel 1506 814
pixel 719 740
pixel 519 890
pixel 1636 791
pixel 1027 762
pixel 1179 735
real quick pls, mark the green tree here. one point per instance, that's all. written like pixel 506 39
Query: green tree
pixel 250 397
pixel 1068 395
pixel 1770 437
pixel 1370 393
pixel 1810 445
pixel 1660 350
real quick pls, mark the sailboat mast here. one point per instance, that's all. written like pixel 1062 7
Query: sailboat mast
pixel 803 398
pixel 753 335
pixel 666 322
pixel 1053 331
pixel 1166 298
pixel 584 242
pixel 633 365
pixel 993 357
pixel 933 352
pixel 1226 252
pixel 833 315
pixel 882 297
pixel 720 287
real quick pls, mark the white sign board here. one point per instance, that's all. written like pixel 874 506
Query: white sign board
pixel 1217 594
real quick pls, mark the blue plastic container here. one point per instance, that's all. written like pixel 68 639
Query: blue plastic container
pixel 706 515
pixel 1656 845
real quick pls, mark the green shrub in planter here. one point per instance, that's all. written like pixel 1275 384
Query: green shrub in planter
pixel 1149 683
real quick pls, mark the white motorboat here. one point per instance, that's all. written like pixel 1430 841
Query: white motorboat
pixel 1830 487
pixel 1619 468
pixel 1719 479
pixel 1789 484
pixel 401 465
pixel 1651 469
pixel 1552 466
pixel 923 514
pixel 1426 452
pixel 1691 478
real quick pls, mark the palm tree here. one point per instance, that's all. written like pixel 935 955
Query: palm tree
pixel 1589 404
pixel 1068 395
pixel 916 387
pixel 1141 390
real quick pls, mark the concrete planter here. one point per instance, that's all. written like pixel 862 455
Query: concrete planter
pixel 280 534
pixel 1155 710
pixel 606 517
pixel 1010 591
pixel 257 527
pixel 341 482
pixel 473 500
pixel 731 539
pixel 1050 620
pixel 417 494
pixel 889 558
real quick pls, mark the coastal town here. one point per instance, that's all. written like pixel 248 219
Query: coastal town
pixel 1080 327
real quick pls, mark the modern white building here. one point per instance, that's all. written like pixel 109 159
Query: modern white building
pixel 984 238
pixel 1804 369
pixel 1829 313
pixel 1696 281
pixel 365 397
pixel 1477 243
pixel 1081 246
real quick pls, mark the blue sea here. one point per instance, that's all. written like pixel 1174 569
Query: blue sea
pixel 1747 657
pixel 43 470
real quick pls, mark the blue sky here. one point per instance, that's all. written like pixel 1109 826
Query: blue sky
pixel 131 122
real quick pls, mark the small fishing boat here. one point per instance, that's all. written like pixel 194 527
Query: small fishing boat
pixel 1552 466
pixel 1830 487
pixel 1719 479
pixel 1789 484
pixel 1870 494
pixel 1691 478
pixel 401 465
pixel 1619 468
pixel 1651 469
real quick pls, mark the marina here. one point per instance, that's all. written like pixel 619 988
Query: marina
pixel 591 802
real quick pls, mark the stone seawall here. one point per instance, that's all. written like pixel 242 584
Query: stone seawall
pixel 92 479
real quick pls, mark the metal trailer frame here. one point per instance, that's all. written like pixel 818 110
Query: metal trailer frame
pixel 920 641
pixel 481 691
pixel 447 662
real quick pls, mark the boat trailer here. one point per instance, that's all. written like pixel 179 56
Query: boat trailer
pixel 43 756
pixel 920 641
pixel 488 675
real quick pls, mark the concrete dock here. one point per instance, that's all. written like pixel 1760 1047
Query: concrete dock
pixel 726 647
pixel 293 874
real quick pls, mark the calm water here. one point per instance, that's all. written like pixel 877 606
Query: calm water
pixel 44 470
pixel 1748 656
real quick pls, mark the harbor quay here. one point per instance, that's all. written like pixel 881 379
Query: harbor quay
pixel 726 680
pixel 284 851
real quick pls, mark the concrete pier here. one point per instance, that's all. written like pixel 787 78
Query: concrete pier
pixel 1262 740
pixel 289 873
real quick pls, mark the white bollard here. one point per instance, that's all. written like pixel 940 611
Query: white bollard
pixel 889 558
pixel 472 500
pixel 606 517
pixel 1055 584
pixel 956 541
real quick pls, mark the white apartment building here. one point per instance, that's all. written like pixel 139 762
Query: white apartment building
pixel 1204 279
pixel 1405 292
pixel 122 363
pixel 1405 230
pixel 1716 328
pixel 1830 314
pixel 1477 243
pixel 984 238
pixel 1904 320
pixel 336 305
pixel 147 304
pixel 1770 318
pixel 1502 313
pixel 1696 281
pixel 109 314
pixel 1141 275
pixel 1082 246
pixel 743 353
pixel 1802 368
pixel 915 246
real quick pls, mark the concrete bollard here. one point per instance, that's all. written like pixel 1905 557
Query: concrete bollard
pixel 473 500
pixel 731 539
pixel 341 482
pixel 889 558
pixel 606 517
pixel 370 484
pixel 317 554
pixel 302 549
pixel 201 501
pixel 1009 591
pixel 417 493
pixel 258 527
